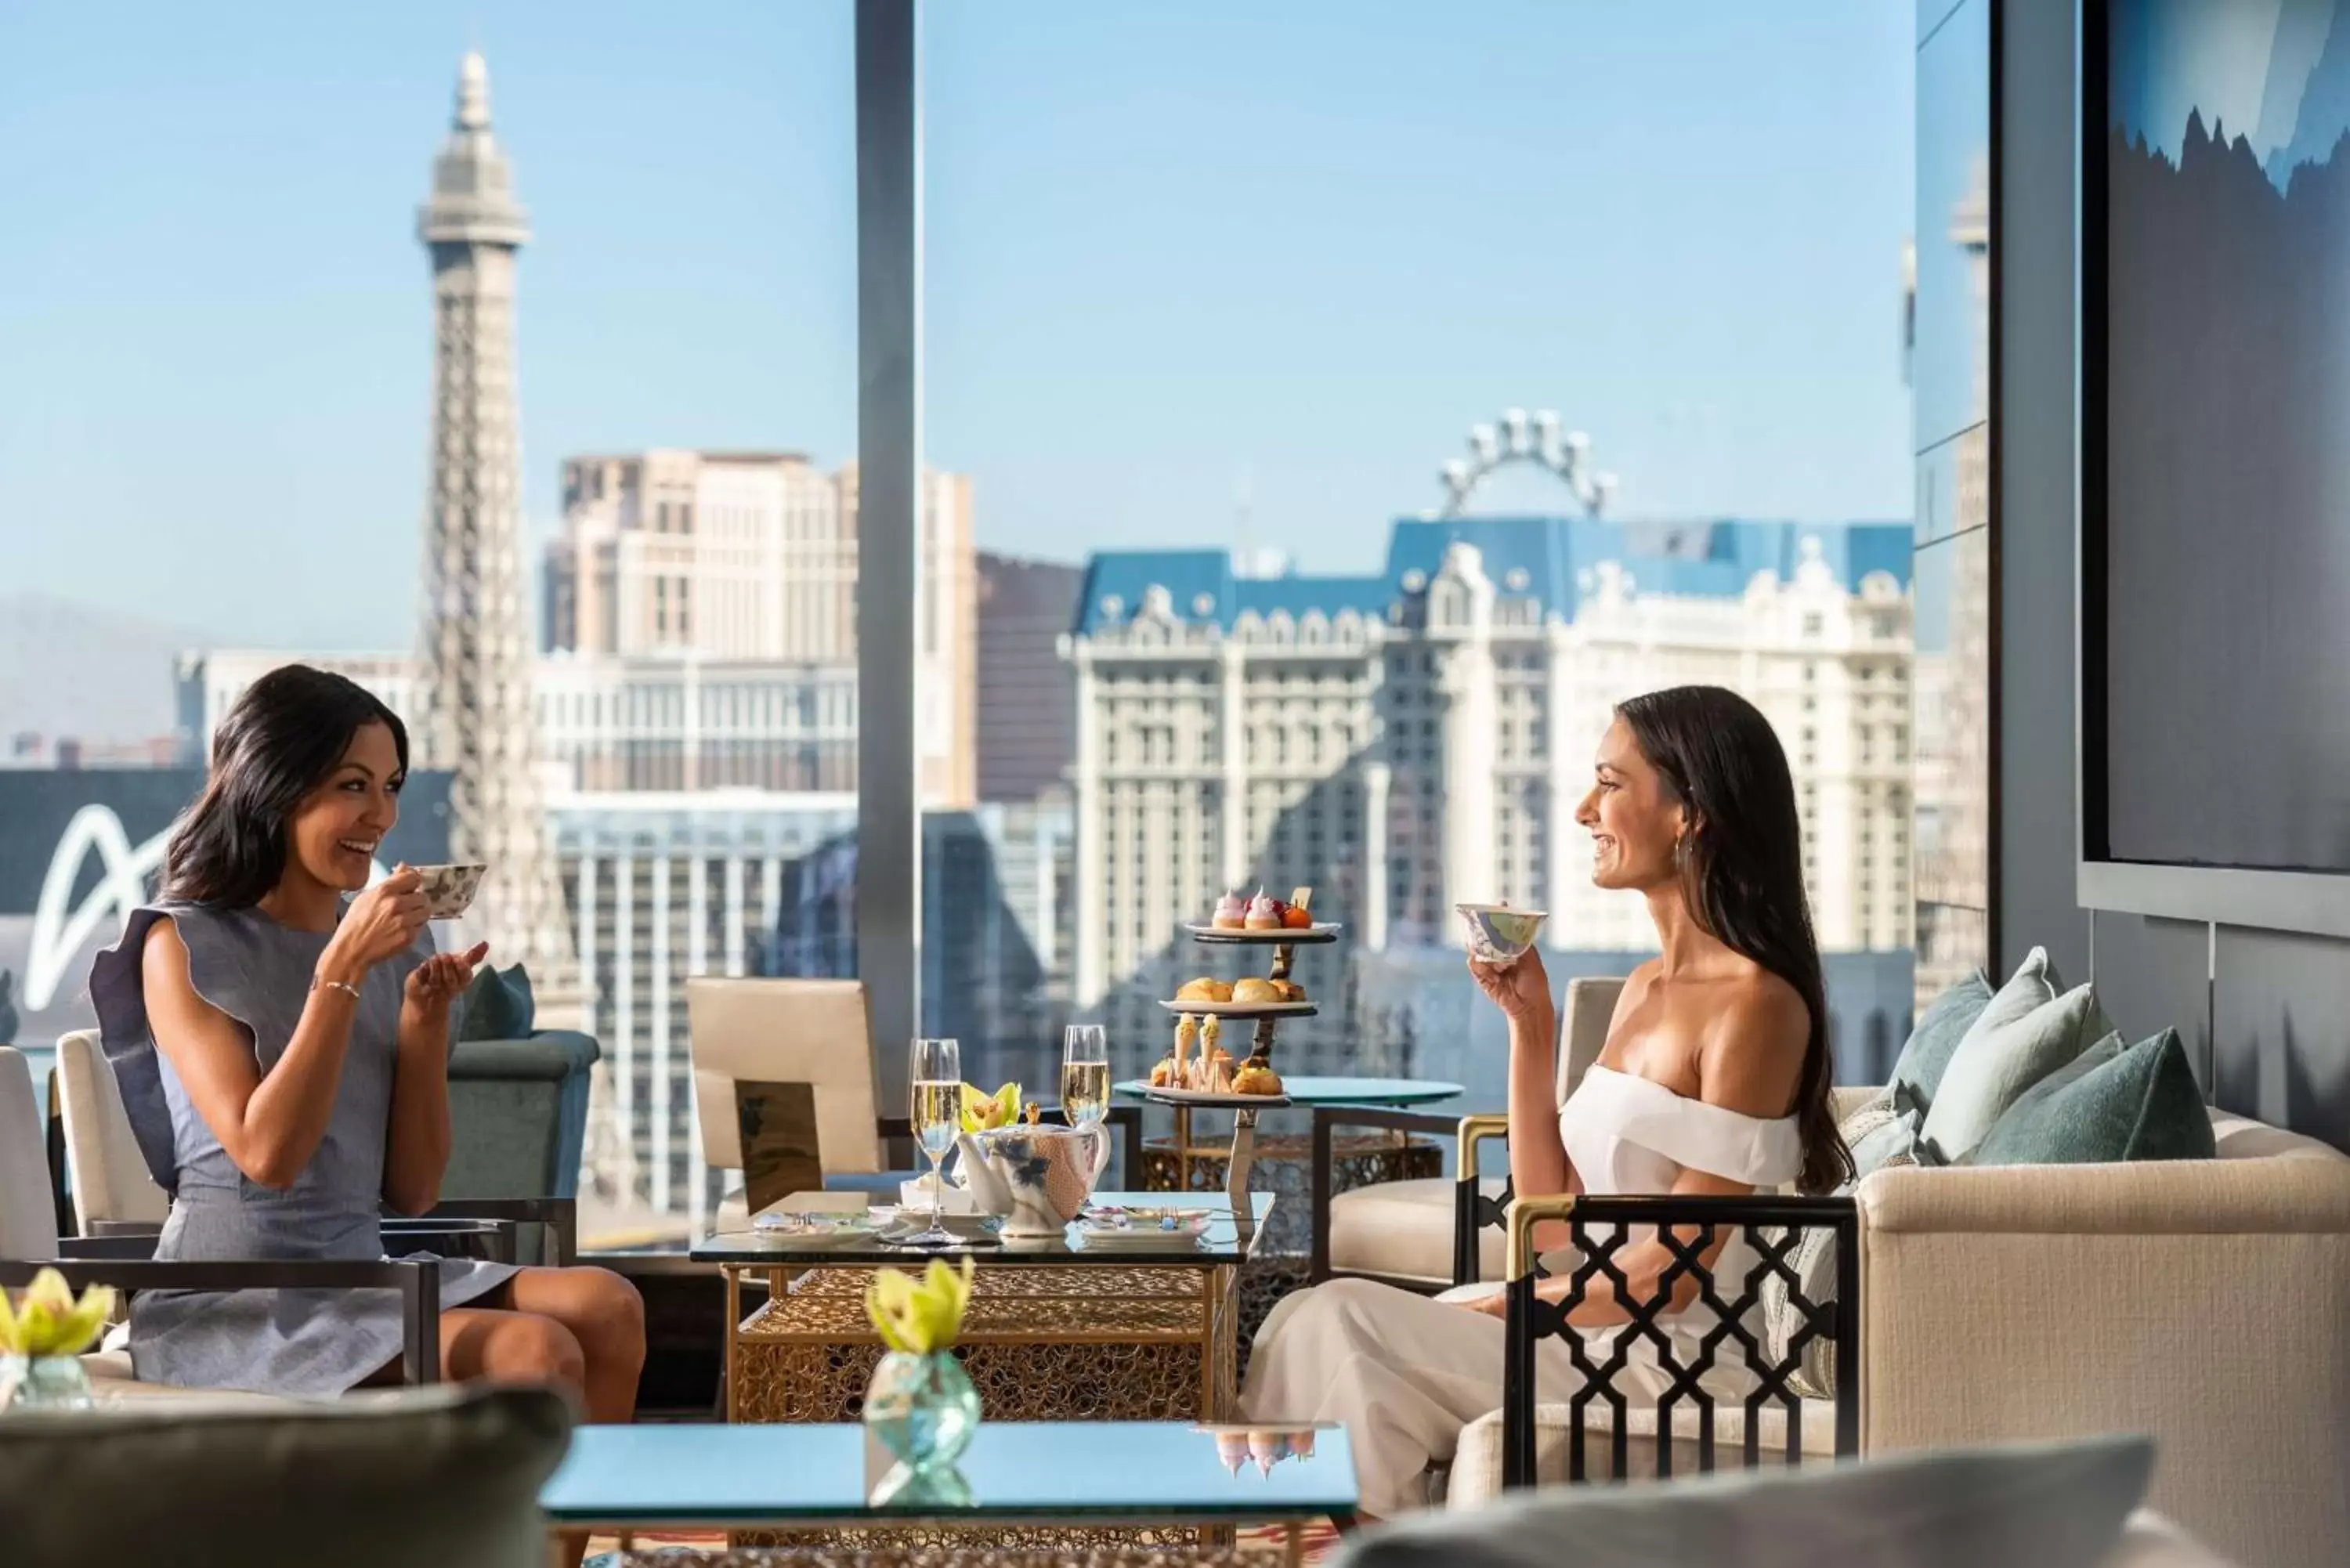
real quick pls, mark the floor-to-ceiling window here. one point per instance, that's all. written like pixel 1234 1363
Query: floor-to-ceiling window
pixel 1950 363
pixel 1355 402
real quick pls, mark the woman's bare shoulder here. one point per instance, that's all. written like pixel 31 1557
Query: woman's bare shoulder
pixel 1753 1058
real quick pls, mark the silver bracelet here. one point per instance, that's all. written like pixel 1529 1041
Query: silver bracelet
pixel 345 986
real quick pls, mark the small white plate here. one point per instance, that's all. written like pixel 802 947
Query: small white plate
pixel 1244 1009
pixel 1139 1238
pixel 1146 1219
pixel 812 1229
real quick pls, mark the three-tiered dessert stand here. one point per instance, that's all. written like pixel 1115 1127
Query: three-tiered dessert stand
pixel 1268 1016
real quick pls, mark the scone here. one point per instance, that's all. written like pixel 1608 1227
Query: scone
pixel 1204 989
pixel 1255 1080
pixel 1255 989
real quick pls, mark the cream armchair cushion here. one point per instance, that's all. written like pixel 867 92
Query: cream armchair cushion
pixel 28 1218
pixel 1396 1229
pixel 111 1182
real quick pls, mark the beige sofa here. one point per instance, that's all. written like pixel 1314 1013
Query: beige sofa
pixel 2206 1302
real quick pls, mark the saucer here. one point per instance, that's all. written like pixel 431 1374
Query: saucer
pixel 812 1229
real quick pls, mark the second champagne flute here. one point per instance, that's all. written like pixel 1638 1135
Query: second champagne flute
pixel 1085 1074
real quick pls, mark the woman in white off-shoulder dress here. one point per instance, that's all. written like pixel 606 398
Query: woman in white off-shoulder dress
pixel 1714 1079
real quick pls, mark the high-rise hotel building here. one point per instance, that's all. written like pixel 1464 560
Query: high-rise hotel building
pixel 1421 736
pixel 750 558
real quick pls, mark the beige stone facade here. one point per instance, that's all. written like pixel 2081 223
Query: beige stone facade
pixel 753 557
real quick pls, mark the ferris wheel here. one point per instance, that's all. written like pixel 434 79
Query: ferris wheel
pixel 1519 437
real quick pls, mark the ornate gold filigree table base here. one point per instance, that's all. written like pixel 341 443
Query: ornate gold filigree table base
pixel 1101 1342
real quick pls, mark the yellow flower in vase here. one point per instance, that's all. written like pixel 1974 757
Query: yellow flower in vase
pixel 920 1405
pixel 50 1322
pixel 41 1341
pixel 920 1319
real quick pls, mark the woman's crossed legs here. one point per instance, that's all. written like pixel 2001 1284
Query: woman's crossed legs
pixel 580 1329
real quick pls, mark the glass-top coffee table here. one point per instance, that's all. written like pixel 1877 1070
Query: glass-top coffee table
pixel 1056 1329
pixel 1148 1476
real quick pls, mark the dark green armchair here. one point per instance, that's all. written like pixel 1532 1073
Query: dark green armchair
pixel 518 1119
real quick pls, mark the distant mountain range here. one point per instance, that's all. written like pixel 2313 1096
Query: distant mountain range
pixel 67 668
pixel 2276 76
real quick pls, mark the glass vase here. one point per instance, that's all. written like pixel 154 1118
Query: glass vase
pixel 923 1410
pixel 43 1383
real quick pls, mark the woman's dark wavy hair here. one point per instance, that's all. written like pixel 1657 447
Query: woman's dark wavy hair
pixel 1741 869
pixel 282 738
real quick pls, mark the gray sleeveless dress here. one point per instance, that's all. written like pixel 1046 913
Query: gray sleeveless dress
pixel 305 1344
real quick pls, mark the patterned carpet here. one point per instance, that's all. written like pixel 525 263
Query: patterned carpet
pixel 603 1551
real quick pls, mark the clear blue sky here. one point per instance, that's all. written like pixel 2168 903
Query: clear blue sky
pixel 1175 254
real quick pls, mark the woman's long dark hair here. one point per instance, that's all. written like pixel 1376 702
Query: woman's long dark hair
pixel 282 738
pixel 1741 869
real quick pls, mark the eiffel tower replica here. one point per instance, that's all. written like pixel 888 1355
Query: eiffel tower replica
pixel 476 717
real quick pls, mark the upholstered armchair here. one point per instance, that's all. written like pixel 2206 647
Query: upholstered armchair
pixel 115 1195
pixel 29 1241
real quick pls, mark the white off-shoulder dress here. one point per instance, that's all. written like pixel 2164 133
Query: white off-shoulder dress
pixel 1404 1373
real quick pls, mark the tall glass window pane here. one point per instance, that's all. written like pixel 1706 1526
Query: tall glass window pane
pixel 1356 404
pixel 518 386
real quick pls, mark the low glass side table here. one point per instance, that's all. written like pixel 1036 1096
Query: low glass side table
pixel 1052 1483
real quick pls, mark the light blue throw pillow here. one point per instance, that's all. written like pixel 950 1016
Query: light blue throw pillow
pixel 1926 1055
pixel 2004 1055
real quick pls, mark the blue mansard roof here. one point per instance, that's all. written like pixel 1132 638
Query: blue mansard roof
pixel 1716 558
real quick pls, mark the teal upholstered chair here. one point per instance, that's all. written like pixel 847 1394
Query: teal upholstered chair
pixel 518 1115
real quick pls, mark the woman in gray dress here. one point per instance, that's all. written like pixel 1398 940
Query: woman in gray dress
pixel 283 1049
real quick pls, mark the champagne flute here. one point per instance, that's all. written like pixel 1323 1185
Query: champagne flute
pixel 935 1070
pixel 1085 1074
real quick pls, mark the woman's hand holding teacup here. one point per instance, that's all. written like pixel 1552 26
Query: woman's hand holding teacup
pixel 1520 990
pixel 380 923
